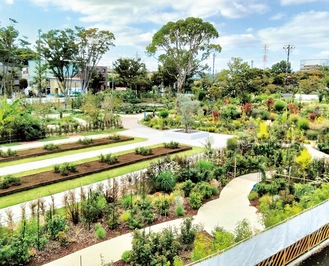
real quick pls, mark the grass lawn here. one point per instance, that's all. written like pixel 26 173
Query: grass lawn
pixel 60 154
pixel 32 194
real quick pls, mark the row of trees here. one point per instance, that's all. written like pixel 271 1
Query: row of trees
pixel 181 48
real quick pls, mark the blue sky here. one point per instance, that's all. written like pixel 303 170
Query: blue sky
pixel 244 26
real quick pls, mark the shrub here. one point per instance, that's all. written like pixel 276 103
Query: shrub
pixel 8 153
pixel 114 137
pixel 9 180
pixel 187 187
pixel 165 181
pixel 232 144
pixel 279 106
pixel 50 147
pixel 214 190
pixel 195 200
pixel 179 210
pixel 100 232
pixel 57 168
pixel 242 230
pixel 164 114
pixel 303 124
pixel 85 141
pixel 171 145
pixel 253 195
pixel 55 225
pixel 188 231
pixel 143 151
pixel 163 205
pixel 312 134
pixel 108 158
pixel 126 256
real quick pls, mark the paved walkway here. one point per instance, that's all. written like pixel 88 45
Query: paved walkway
pixel 231 207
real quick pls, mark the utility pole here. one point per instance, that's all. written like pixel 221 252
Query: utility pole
pixel 288 48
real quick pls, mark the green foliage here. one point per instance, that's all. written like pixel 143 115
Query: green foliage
pixel 92 207
pixel 8 153
pixel 279 106
pixel 154 248
pixel 187 187
pixel 56 224
pixel 108 158
pixel 65 168
pixel 232 144
pixel 14 252
pixel 50 147
pixel 85 141
pixel 171 145
pixel 165 181
pixel 222 239
pixel 28 128
pixel 143 151
pixel 8 181
pixel 164 113
pixel 253 195
pixel 304 159
pixel 195 199
pixel 100 231
pixel 303 124
pixel 163 205
pixel 188 231
pixel 114 137
pixel 242 230
pixel 202 247
pixel 179 210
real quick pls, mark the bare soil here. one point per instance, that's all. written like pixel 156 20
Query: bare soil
pixel 63 147
pixel 50 177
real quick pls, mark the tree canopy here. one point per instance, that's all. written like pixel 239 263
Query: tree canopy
pixel 93 44
pixel 185 43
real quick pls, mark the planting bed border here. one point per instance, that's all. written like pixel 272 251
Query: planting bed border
pixel 34 152
pixel 88 168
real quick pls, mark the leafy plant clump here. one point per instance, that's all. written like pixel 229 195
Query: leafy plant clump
pixel 65 168
pixel 85 141
pixel 9 180
pixel 143 151
pixel 114 137
pixel 171 145
pixel 50 147
pixel 8 153
pixel 108 158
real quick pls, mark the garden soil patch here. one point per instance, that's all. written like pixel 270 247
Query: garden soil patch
pixel 88 168
pixel 63 147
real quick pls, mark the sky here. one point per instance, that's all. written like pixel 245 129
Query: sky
pixel 255 30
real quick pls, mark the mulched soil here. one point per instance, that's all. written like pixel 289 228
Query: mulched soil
pixel 50 177
pixel 80 237
pixel 63 147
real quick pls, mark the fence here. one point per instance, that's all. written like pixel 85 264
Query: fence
pixel 278 245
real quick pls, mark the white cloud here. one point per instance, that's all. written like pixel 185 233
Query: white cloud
pixel 305 29
pixel 278 16
pixel 9 2
pixel 295 2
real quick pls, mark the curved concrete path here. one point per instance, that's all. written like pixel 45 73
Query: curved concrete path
pixel 231 207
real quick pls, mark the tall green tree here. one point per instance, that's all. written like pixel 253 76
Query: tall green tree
pixel 93 44
pixel 8 46
pixel 132 73
pixel 60 49
pixel 185 45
